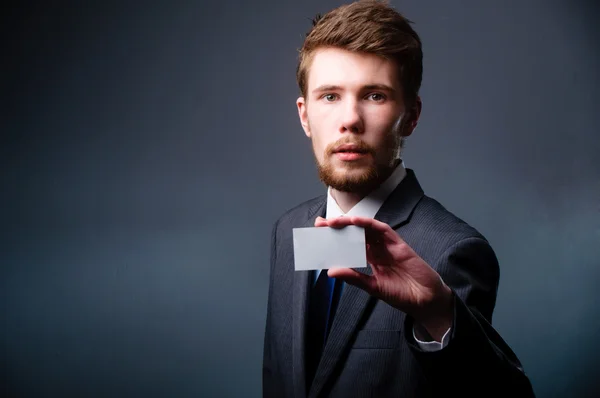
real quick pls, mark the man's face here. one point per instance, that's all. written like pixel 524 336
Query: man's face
pixel 353 112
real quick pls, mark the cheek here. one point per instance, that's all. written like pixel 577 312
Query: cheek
pixel 324 115
pixel 321 128
pixel 384 133
pixel 319 145
pixel 397 125
pixel 385 123
pixel 383 117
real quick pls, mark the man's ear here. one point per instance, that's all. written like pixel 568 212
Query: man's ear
pixel 412 117
pixel 302 113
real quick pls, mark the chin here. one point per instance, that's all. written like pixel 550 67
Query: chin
pixel 349 177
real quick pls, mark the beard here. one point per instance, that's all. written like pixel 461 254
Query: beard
pixel 363 175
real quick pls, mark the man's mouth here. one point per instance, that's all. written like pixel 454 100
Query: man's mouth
pixel 349 152
pixel 349 148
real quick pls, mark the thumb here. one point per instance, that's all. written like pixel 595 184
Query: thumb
pixel 320 222
pixel 355 278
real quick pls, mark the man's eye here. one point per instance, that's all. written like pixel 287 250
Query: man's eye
pixel 329 97
pixel 377 97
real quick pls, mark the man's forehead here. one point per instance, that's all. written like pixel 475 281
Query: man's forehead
pixel 338 67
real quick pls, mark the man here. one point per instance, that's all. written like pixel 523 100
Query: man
pixel 417 321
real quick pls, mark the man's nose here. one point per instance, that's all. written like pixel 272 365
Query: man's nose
pixel 351 118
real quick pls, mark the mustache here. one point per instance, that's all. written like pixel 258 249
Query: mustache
pixel 360 146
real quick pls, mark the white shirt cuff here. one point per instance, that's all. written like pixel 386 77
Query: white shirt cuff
pixel 430 346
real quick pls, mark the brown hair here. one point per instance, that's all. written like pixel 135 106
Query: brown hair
pixel 368 26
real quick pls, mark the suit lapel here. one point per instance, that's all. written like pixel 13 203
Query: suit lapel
pixel 355 302
pixel 299 302
pixel 398 207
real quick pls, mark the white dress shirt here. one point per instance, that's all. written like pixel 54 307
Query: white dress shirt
pixel 368 207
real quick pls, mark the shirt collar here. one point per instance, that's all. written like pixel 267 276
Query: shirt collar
pixel 370 204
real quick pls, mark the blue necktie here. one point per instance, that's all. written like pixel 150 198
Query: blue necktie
pixel 323 299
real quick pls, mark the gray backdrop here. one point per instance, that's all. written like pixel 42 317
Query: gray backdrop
pixel 148 147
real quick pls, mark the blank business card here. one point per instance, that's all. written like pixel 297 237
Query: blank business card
pixel 325 247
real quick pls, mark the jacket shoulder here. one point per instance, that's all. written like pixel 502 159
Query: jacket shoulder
pixel 301 212
pixel 438 220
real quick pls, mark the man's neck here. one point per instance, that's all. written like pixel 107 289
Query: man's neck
pixel 347 200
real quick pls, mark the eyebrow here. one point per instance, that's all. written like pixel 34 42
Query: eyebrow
pixel 330 87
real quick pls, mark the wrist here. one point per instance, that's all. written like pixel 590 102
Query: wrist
pixel 437 316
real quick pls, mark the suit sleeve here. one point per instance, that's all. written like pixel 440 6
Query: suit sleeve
pixel 476 361
pixel 270 384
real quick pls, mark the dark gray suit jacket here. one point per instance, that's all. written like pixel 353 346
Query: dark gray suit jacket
pixel 370 351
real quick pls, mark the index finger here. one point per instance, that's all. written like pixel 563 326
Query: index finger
pixel 367 223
